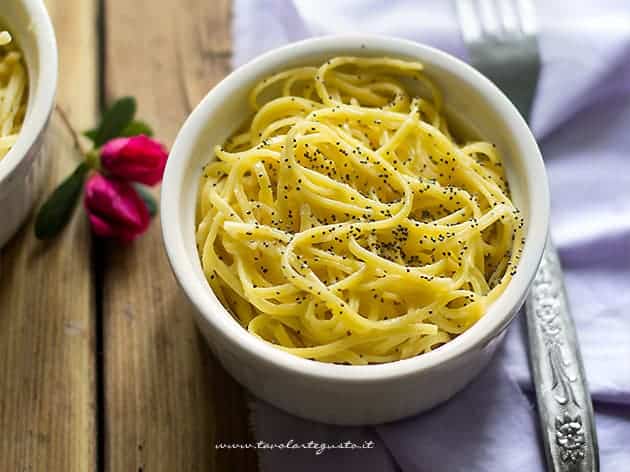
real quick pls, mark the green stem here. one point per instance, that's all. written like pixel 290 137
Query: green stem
pixel 93 159
pixel 75 136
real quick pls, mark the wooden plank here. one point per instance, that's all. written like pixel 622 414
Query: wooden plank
pixel 167 401
pixel 47 357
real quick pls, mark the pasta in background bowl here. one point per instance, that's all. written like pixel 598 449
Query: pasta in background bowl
pixel 24 116
pixel 333 391
pixel 13 92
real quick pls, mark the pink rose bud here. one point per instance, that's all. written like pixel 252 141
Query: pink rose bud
pixel 138 158
pixel 115 209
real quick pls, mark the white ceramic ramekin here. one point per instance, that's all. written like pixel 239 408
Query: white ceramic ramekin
pixel 344 394
pixel 23 169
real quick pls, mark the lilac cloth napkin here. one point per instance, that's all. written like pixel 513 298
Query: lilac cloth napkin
pixel 581 119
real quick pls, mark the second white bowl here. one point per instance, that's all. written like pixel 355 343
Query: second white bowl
pixel 23 169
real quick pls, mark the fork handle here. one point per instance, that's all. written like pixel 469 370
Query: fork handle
pixel 564 404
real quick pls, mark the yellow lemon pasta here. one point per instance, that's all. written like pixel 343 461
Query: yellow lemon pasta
pixel 344 223
pixel 13 93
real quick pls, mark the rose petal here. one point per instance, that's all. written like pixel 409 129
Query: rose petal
pixel 115 208
pixel 101 227
pixel 138 158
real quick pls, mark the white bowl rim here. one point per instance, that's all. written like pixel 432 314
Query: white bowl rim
pixel 43 97
pixel 499 314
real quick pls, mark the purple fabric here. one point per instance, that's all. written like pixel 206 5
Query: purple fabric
pixel 581 119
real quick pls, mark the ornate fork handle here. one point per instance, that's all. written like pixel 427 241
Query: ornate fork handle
pixel 564 404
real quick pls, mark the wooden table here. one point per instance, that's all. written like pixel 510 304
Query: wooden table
pixel 101 366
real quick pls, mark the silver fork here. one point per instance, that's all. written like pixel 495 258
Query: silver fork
pixel 501 40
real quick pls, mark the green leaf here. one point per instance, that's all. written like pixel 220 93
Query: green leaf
pixel 91 134
pixel 115 120
pixel 148 199
pixel 137 127
pixel 57 210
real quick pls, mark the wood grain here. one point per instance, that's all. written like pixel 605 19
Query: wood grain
pixel 167 401
pixel 47 358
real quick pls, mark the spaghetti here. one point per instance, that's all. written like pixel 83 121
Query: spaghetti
pixel 13 93
pixel 345 224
